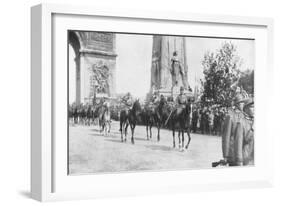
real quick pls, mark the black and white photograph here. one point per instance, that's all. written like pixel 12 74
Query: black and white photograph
pixel 156 102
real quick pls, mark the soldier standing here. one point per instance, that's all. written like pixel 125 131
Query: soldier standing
pixel 229 133
pixel 244 142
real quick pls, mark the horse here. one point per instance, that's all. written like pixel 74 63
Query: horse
pixel 130 117
pixel 155 115
pixel 180 121
pixel 89 115
pixel 75 115
pixel 148 117
pixel 161 114
pixel 105 120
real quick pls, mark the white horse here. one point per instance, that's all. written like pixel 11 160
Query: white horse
pixel 105 120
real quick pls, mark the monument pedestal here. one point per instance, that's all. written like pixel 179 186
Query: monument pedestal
pixel 165 92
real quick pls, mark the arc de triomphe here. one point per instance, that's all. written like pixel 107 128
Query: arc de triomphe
pixel 93 50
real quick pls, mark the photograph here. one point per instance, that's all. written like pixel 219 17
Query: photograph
pixel 158 102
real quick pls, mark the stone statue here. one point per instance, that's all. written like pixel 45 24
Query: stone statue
pixel 168 63
pixel 177 71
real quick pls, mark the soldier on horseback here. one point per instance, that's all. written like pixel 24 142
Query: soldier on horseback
pixel 179 104
pixel 181 101
pixel 127 100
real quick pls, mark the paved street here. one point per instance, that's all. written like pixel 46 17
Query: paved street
pixel 91 152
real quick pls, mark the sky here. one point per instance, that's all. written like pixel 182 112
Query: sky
pixel 133 61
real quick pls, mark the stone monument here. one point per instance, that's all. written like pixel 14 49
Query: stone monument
pixel 95 64
pixel 169 66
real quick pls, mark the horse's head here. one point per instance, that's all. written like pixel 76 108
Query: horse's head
pixel 188 107
pixel 136 105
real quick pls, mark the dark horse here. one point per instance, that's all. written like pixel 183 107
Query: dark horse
pixel 156 115
pixel 130 117
pixel 148 116
pixel 180 121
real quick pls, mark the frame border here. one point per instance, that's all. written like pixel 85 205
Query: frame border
pixel 42 83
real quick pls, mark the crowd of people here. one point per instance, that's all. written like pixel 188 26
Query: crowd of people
pixel 80 113
pixel 207 120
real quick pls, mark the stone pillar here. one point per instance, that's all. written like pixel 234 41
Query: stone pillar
pixel 78 80
pixel 163 48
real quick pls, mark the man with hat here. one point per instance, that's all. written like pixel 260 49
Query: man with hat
pixel 234 118
pixel 244 136
pixel 180 103
pixel 181 100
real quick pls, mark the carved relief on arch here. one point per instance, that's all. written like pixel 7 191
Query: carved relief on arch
pixel 99 78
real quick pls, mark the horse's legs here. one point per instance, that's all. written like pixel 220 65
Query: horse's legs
pixel 106 128
pixel 189 139
pixel 126 130
pixel 132 130
pixel 174 143
pixel 100 125
pixel 150 126
pixel 158 132
pixel 147 131
pixel 179 134
pixel 182 140
pixel 121 130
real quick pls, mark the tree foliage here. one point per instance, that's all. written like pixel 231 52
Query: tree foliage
pixel 221 71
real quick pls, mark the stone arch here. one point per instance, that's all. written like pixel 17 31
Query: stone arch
pixel 92 48
pixel 75 42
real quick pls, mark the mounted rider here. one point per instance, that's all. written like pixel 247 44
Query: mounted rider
pixel 127 100
pixel 154 99
pixel 181 101
pixel 180 104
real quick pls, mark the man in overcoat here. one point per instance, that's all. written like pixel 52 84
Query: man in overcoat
pixel 233 119
pixel 238 133
pixel 244 136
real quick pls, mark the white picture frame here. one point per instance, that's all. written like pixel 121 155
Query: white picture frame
pixel 49 181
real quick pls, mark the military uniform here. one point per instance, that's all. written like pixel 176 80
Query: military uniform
pixel 127 102
pixel 238 138
pixel 181 102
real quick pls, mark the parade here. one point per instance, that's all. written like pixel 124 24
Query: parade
pixel 207 124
